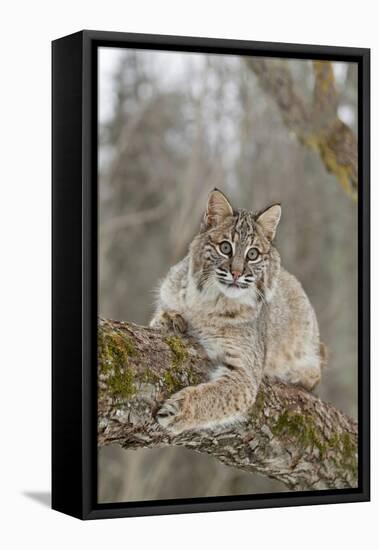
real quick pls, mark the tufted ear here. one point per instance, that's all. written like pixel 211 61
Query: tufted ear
pixel 269 219
pixel 218 208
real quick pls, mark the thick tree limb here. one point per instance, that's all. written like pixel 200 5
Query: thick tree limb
pixel 317 125
pixel 289 434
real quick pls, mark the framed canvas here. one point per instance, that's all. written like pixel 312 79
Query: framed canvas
pixel 210 275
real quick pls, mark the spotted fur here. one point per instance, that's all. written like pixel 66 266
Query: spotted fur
pixel 251 316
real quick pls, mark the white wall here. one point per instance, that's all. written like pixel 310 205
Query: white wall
pixel 27 28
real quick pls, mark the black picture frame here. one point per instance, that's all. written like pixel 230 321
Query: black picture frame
pixel 74 271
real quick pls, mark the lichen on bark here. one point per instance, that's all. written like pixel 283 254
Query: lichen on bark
pixel 288 434
pixel 317 124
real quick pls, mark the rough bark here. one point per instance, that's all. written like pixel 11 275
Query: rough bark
pixel 317 125
pixel 289 434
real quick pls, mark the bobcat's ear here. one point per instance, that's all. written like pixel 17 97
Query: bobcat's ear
pixel 269 219
pixel 218 208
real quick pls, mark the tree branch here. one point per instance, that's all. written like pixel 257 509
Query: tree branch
pixel 289 434
pixel 316 126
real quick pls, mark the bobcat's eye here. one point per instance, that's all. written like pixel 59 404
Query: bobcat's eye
pixel 252 254
pixel 226 248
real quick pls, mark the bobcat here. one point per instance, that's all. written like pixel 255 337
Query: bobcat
pixel 251 316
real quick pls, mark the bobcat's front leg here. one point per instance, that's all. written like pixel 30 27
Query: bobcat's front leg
pixel 169 321
pixel 220 401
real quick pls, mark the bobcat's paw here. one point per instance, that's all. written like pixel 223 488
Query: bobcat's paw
pixel 175 415
pixel 170 321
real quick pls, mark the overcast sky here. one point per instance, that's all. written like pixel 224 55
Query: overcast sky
pixel 171 68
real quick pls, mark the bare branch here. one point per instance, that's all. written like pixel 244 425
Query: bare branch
pixel 132 219
pixel 316 126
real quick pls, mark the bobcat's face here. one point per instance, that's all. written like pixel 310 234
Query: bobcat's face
pixel 241 254
pixel 233 252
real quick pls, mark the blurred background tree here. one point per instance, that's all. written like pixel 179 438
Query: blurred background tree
pixel 172 127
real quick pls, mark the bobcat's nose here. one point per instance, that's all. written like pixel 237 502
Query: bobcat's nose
pixel 236 275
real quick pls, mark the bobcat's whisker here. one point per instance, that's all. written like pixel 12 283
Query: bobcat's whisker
pixel 262 297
